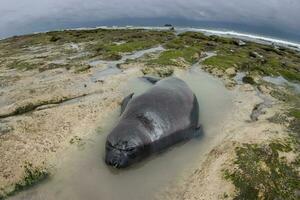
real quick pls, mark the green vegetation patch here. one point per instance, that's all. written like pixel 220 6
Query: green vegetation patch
pixel 51 66
pixel 257 58
pixel 169 57
pixel 294 124
pixel 295 113
pixel 188 39
pixel 224 61
pixel 292 115
pixel 109 44
pixel 22 65
pixel 104 43
pixel 82 68
pixel 161 71
pixel 188 45
pixel 109 47
pixel 32 176
pixel 113 51
pixel 131 46
pixel 261 173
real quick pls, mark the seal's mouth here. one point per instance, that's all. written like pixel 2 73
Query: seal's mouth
pixel 116 158
pixel 121 154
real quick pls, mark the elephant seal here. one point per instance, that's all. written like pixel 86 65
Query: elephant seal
pixel 164 115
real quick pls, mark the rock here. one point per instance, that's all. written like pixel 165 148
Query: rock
pixel 196 56
pixel 264 89
pixel 165 71
pixel 249 80
pixel 229 84
pixel 230 71
pixel 180 62
pixel 112 56
pixel 48 106
pixel 239 42
pixel 217 72
pixel 246 88
pixel 161 71
pixel 254 54
pixel 99 81
pixel 211 44
pixel 4 128
pixel 168 25
pixel 130 65
pixel 54 38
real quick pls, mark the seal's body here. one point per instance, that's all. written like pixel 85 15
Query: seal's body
pixel 164 115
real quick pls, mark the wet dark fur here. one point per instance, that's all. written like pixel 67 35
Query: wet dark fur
pixel 164 115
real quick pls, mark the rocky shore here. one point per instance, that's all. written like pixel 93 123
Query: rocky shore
pixel 57 87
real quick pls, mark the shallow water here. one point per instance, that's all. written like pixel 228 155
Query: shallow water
pixel 84 175
pixel 279 80
pixel 239 77
pixel 111 66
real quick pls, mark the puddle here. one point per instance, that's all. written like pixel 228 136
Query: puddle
pixel 239 77
pixel 208 55
pixel 79 55
pixel 259 108
pixel 100 75
pixel 280 81
pixel 134 55
pixel 74 46
pixel 111 66
pixel 83 174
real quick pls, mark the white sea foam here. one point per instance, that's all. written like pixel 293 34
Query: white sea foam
pixel 250 36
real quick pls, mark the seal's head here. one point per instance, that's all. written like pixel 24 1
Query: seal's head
pixel 124 145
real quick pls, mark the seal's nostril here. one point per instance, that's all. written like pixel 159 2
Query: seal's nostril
pixel 114 161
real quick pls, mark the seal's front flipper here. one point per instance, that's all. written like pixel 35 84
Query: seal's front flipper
pixel 151 79
pixel 125 102
pixel 198 131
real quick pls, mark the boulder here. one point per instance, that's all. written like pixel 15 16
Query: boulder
pixel 229 84
pixel 264 89
pixel 230 71
pixel 217 72
pixel 161 71
pixel 239 43
pixel 196 56
pixel 180 62
pixel 249 80
pixel 254 54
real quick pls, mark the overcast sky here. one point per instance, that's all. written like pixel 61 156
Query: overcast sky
pixel 24 16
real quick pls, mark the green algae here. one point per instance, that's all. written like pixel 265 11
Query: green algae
pixel 261 173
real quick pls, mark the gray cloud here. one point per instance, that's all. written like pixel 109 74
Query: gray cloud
pixel 32 15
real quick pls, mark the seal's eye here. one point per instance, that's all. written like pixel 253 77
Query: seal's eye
pixel 130 149
pixel 109 145
pixel 131 152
